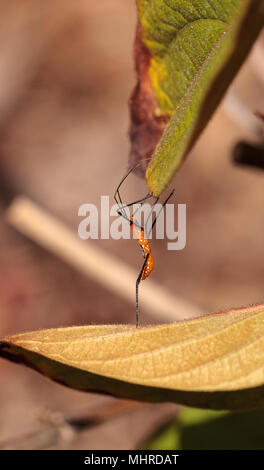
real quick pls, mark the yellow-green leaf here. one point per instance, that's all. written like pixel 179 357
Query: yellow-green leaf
pixel 193 49
pixel 216 361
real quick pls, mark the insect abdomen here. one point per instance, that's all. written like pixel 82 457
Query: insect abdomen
pixel 148 268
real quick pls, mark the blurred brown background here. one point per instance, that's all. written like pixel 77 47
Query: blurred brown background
pixel 66 73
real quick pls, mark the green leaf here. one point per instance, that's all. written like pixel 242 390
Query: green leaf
pixel 210 430
pixel 193 50
pixel 216 361
pixel 229 431
pixel 167 438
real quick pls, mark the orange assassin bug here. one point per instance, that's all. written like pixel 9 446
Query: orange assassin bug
pixel 141 234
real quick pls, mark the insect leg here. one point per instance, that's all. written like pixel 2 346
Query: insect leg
pixel 117 192
pixel 155 220
pixel 146 224
pixel 122 213
pixel 130 221
pixel 137 202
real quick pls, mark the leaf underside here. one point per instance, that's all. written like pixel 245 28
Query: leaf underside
pixel 215 361
pixel 187 52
